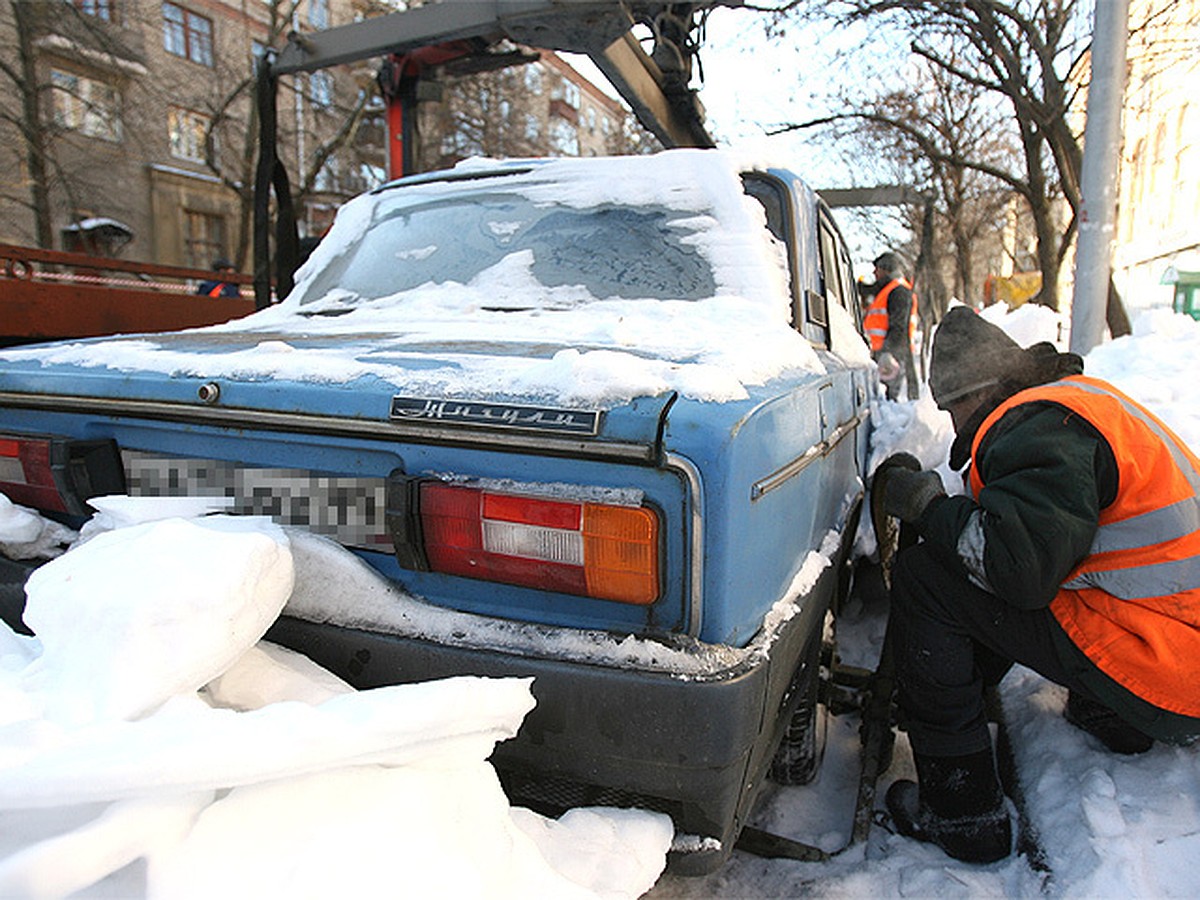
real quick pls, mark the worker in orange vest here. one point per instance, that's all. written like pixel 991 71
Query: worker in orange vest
pixel 218 287
pixel 1075 552
pixel 890 322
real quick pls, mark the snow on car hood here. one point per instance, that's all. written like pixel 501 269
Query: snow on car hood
pixel 503 331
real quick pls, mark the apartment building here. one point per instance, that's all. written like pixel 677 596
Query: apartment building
pixel 542 108
pixel 1157 249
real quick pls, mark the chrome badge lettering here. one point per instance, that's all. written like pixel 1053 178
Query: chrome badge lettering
pixel 497 415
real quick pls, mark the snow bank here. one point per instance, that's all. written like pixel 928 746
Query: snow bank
pixel 153 747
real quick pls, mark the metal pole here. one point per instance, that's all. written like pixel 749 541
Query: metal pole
pixel 265 97
pixel 1098 179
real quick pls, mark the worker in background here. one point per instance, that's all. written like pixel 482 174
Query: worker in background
pixel 1076 553
pixel 218 287
pixel 890 322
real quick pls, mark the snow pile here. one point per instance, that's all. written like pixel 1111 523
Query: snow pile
pixel 1156 365
pixel 152 745
pixel 1028 324
pixel 26 535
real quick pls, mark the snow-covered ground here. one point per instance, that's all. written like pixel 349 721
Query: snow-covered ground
pixel 152 745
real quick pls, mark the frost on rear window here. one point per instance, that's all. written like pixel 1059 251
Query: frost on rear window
pixel 608 251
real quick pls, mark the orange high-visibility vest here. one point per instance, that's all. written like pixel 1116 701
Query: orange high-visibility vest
pixel 875 321
pixel 1133 603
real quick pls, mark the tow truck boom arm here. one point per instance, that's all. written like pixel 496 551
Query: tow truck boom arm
pixel 655 85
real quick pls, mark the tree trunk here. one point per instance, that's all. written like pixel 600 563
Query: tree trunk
pixel 1114 312
pixel 32 127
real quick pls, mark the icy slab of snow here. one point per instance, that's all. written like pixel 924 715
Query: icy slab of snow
pixel 158 623
pixel 580 846
pixel 121 511
pixel 18 525
pixel 119 778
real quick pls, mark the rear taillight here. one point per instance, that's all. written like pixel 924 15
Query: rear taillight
pixel 591 549
pixel 58 474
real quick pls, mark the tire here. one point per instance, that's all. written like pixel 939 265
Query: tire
pixel 802 747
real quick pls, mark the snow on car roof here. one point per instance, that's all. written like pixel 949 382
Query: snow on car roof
pixel 606 353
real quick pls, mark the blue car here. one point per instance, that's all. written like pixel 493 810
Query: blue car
pixel 600 422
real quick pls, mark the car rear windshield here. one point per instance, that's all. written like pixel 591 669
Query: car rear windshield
pixel 608 251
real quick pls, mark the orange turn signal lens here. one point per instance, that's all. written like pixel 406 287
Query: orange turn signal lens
pixel 620 552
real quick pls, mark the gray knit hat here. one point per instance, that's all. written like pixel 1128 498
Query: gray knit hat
pixel 888 262
pixel 969 354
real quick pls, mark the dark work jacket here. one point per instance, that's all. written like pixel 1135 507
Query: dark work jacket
pixel 227 289
pixel 1048 476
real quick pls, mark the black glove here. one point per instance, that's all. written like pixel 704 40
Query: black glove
pixel 906 493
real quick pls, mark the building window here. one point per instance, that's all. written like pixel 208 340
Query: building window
pixel 533 127
pixel 566 91
pixel 533 79
pixel 187 34
pixel 257 51
pixel 188 132
pixel 564 139
pixel 87 106
pixel 101 9
pixel 203 238
pixel 318 13
pixel 320 89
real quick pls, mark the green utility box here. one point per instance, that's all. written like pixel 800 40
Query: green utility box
pixel 1187 291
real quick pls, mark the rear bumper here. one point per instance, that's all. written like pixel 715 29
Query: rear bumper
pixel 696 748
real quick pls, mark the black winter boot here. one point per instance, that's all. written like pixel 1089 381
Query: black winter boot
pixel 959 807
pixel 1101 722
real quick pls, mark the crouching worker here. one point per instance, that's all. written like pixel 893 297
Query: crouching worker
pixel 1076 554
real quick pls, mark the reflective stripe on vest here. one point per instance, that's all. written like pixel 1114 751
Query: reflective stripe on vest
pixel 875 321
pixel 1133 603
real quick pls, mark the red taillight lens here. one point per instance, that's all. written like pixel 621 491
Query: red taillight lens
pixel 590 549
pixel 26 476
pixel 58 474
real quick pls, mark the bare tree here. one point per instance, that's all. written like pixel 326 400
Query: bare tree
pixel 927 129
pixel 1030 53
pixel 231 140
pixel 29 110
pixel 490 113
pixel 83 102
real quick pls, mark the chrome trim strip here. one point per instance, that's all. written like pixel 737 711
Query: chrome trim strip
pixel 267 420
pixel 691 475
pixel 804 460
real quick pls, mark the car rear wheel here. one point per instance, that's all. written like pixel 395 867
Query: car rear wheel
pixel 799 755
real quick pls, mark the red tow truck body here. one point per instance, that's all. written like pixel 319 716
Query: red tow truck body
pixel 52 295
